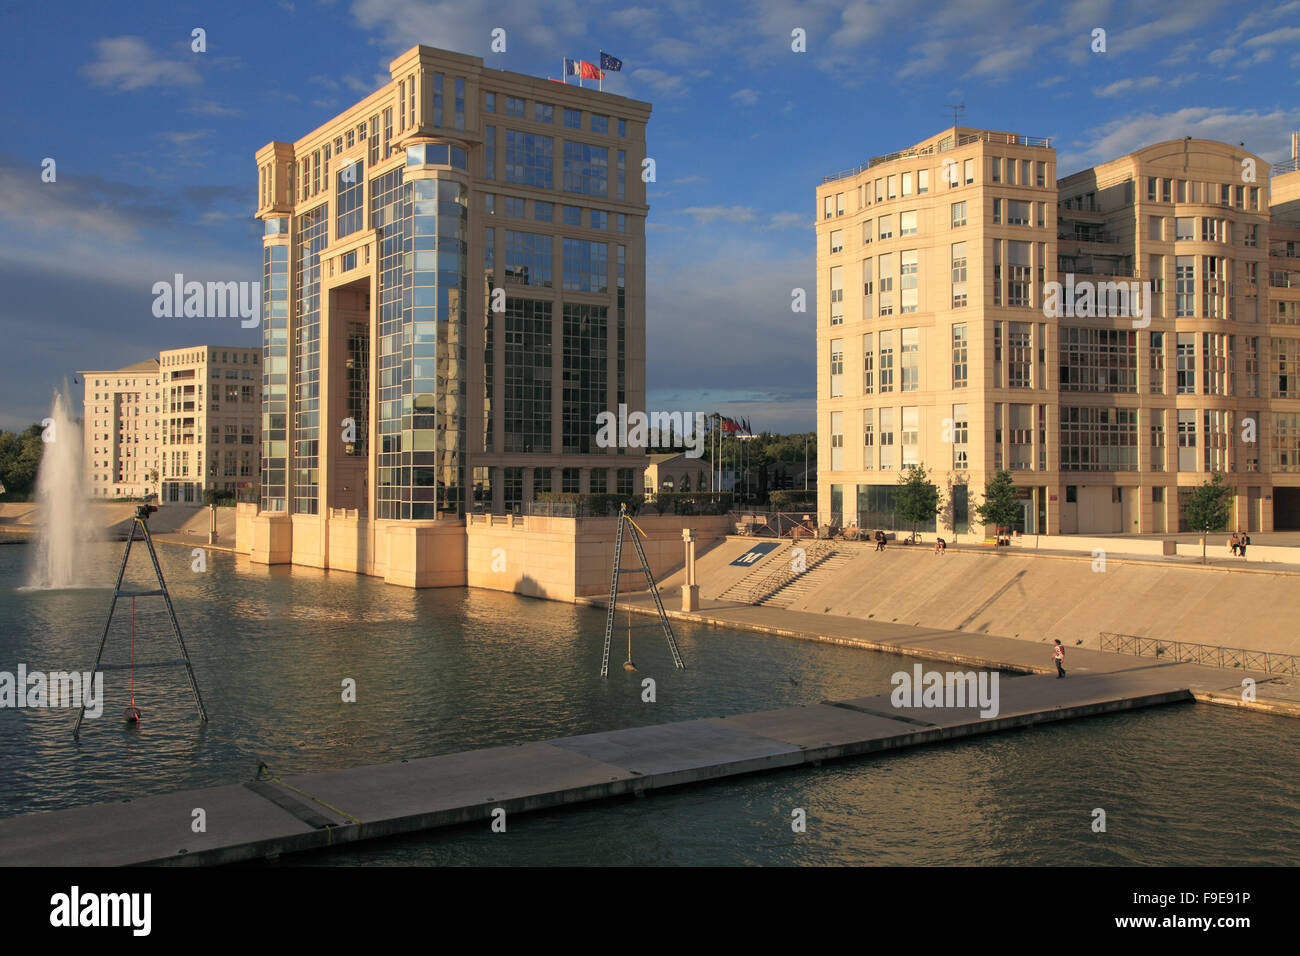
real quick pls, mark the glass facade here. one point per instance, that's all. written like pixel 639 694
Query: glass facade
pixel 527 393
pixel 585 348
pixel 313 234
pixel 586 169
pixel 275 370
pixel 530 160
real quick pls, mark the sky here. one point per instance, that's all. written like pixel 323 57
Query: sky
pixel 153 144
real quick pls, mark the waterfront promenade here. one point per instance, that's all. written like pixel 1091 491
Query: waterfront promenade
pixel 269 817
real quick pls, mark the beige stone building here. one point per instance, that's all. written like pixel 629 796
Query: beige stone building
pixel 121 431
pixel 454 288
pixel 977 313
pixel 210 421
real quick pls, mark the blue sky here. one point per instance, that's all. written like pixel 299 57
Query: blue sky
pixel 154 144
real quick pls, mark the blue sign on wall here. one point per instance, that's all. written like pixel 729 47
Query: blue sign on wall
pixel 753 555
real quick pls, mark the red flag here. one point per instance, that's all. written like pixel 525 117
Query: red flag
pixel 590 71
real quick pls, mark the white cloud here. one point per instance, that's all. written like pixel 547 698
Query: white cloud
pixel 733 214
pixel 128 63
pixel 745 97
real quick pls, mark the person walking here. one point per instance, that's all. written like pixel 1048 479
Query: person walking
pixel 1058 657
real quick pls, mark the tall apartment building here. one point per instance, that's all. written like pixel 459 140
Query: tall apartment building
pixel 454 289
pixel 120 431
pixel 955 349
pixel 210 421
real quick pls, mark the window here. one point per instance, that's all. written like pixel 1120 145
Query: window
pixel 837 368
pixel 868 365
pixel 350 191
pixel 1098 360
pixel 1018 275
pixel 837 240
pixel 911 435
pixel 968 166
pixel 958 214
pixel 1183 228
pixel 922 181
pixel 997 271
pixel 996 176
pixel 599 219
pixel 837 295
pixel 514 206
pixel 1157 349
pixel 1157 440
pixel 1184 286
pixel 867 229
pixel 887 284
pixel 1017 213
pixel 514 107
pixel 828 210
pixel 960 437
pixel 886 227
pixel 600 124
pixel 1186 357
pixel 586 266
pixel 839 204
pixel 1252 366
pixel 586 169
pixel 489 104
pixel 892 183
pixel 958 275
pixel 907 223
pixel 1250 236
pixel 837 441
pixel 868 439
pixel 1286 363
pixel 622 128
pixel 1040 175
pixel 886 438
pixel 1098 439
pixel 907 184
pixel 909 363
pixel 490 153
pixel 1210 231
pixel 528 259
pixel 908 284
pixel 543 211
pixel 886 361
pixel 997 211
pixel 868 289
pixel 529 159
pixel 1156 228
pixel 572 215
pixel 1021 446
pixel 1153 186
pixel 1186 439
pixel 573 119
pixel 1019 355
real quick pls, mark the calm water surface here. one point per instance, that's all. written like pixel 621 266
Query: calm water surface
pixel 449 670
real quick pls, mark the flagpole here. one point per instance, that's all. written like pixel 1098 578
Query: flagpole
pixel 564 71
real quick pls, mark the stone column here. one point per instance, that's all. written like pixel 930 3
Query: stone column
pixel 690 590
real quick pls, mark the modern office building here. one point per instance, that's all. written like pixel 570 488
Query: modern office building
pixel 121 431
pixel 454 289
pixel 210 421
pixel 976 313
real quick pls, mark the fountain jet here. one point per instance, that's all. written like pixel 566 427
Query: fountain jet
pixel 64 521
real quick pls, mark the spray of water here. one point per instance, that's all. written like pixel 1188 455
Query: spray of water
pixel 63 511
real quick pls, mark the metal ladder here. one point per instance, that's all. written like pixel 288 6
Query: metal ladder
pixel 184 659
pixel 623 516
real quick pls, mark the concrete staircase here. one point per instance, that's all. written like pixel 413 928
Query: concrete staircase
pixel 802 585
pixel 756 588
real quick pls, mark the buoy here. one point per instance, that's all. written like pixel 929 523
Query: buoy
pixel 629 666
pixel 132 714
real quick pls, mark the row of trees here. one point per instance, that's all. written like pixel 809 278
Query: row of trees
pixel 1207 509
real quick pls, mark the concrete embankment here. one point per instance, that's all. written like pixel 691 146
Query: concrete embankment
pixel 1030 596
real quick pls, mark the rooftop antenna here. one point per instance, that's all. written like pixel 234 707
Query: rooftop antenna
pixel 958 111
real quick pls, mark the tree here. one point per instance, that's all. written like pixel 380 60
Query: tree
pixel 999 507
pixel 1207 508
pixel 918 498
pixel 20 457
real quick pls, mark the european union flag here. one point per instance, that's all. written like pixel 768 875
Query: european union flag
pixel 611 63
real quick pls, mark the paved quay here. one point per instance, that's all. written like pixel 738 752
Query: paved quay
pixel 1275 694
pixel 267 818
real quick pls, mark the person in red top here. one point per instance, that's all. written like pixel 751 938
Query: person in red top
pixel 1058 656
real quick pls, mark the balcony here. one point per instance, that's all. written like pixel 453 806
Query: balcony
pixel 963 139
pixel 1286 166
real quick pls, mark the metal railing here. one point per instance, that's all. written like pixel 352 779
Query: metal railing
pixel 1209 654
pixel 1006 139
pixel 1286 166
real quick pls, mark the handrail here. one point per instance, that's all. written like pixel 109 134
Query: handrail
pixel 1213 655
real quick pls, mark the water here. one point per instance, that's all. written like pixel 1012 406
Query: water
pixel 63 508
pixel 442 671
